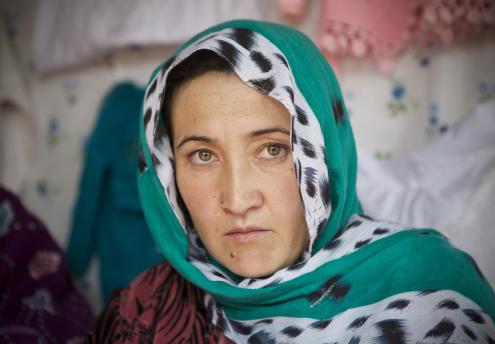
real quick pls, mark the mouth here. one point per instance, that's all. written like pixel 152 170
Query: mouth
pixel 247 234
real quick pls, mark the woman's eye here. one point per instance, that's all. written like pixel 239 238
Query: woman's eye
pixel 204 155
pixel 273 151
pixel 201 157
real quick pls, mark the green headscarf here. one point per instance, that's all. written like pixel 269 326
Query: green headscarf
pixel 361 278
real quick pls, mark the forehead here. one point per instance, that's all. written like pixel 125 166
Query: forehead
pixel 223 100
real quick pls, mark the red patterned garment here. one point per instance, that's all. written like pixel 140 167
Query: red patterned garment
pixel 159 306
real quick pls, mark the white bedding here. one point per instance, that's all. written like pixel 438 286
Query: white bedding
pixel 449 184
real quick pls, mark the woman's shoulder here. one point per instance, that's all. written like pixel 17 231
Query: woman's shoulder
pixel 159 304
pixel 427 261
pixel 424 255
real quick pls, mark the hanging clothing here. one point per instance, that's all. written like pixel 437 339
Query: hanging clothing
pixel 359 279
pixel 17 122
pixel 69 33
pixel 40 304
pixel 107 219
pixel 292 9
pixel 385 29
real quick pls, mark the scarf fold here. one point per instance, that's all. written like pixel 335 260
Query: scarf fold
pixel 360 277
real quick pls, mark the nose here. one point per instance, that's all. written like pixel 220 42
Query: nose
pixel 240 188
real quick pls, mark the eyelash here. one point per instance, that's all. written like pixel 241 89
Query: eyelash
pixel 284 150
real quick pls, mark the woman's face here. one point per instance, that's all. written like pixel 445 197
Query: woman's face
pixel 236 175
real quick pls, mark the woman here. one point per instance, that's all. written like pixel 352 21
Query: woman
pixel 247 181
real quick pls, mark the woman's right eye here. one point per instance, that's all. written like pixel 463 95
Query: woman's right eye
pixel 201 157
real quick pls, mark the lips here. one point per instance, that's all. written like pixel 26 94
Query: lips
pixel 247 234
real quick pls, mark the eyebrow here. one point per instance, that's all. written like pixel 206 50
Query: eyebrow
pixel 250 135
pixel 267 131
pixel 194 138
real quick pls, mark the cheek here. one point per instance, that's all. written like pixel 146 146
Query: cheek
pixel 283 199
pixel 283 193
pixel 287 211
pixel 199 197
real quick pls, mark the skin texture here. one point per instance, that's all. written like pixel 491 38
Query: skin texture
pixel 230 179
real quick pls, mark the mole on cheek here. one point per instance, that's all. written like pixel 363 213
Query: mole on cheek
pixel 232 255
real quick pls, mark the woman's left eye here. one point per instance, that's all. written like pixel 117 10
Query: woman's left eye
pixel 273 151
pixel 202 157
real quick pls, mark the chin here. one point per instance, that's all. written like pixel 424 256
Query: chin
pixel 253 273
pixel 249 270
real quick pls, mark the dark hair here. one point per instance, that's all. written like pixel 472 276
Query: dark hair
pixel 196 64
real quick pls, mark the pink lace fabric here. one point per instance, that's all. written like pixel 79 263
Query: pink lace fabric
pixel 384 29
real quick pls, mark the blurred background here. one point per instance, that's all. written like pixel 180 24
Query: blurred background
pixel 418 79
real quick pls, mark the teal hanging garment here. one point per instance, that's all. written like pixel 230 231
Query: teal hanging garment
pixel 108 221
